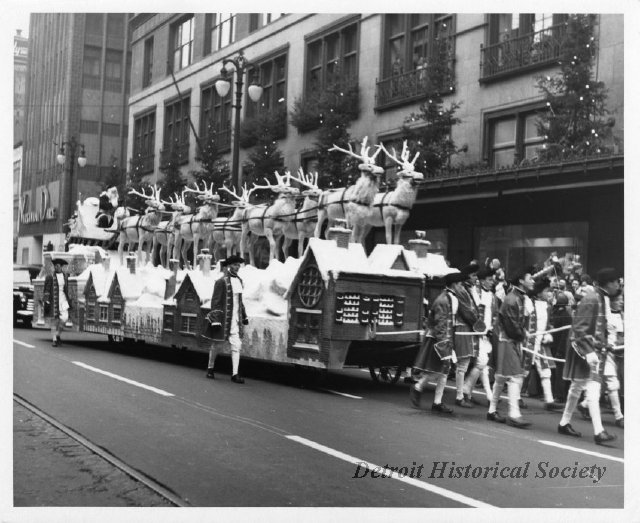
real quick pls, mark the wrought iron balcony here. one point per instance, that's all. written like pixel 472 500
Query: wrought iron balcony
pixel 177 151
pixel 413 86
pixel 516 54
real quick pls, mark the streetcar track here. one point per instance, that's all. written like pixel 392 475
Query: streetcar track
pixel 150 483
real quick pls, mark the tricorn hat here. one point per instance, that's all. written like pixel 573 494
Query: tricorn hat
pixel 454 277
pixel 234 258
pixel 485 272
pixel 606 275
pixel 470 269
pixel 59 261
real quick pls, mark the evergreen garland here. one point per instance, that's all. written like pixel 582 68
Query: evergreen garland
pixel 173 181
pixel 575 122
pixel 428 131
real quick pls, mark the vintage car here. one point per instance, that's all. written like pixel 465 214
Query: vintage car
pixel 23 293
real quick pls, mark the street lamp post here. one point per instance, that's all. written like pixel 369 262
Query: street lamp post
pixel 70 151
pixel 223 85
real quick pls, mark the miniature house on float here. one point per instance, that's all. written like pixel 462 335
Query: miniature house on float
pixel 348 309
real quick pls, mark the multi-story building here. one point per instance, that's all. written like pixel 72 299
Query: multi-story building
pixel 76 92
pixel 517 211
pixel 20 48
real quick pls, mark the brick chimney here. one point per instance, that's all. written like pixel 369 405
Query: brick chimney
pixel 131 263
pixel 106 263
pixel 419 245
pixel 340 234
pixel 170 287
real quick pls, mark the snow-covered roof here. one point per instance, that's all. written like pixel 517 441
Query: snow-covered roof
pixel 203 284
pixel 384 256
pixel 434 265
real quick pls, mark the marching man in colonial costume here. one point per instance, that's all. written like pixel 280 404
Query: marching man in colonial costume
pixel 227 317
pixel 466 319
pixel 587 353
pixel 507 358
pixel 437 351
pixel 488 311
pixel 540 344
pixel 56 299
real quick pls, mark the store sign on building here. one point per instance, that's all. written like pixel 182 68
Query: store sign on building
pixel 20 47
pixel 44 212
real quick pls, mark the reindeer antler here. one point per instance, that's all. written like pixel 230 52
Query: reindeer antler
pixel 310 180
pixel 407 166
pixel 364 156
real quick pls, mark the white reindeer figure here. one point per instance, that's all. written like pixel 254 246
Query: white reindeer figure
pixel 191 228
pixel 391 209
pixel 305 218
pixel 139 229
pixel 270 220
pixel 164 233
pixel 227 231
pixel 352 203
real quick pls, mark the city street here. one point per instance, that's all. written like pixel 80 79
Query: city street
pixel 286 439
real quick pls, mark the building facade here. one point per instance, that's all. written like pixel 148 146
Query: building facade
pixel 20 49
pixel 77 89
pixel 510 208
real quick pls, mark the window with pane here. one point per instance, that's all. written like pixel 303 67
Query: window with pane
pixel 91 62
pixel 215 116
pixel 412 40
pixel 113 65
pixel 104 313
pixel 176 122
pixel 507 26
pixel 220 31
pixel 258 20
pixel 91 310
pixel 513 138
pixel 147 67
pixel 332 58
pixel 116 314
pixel 188 324
pixel 182 43
pixel 144 140
pixel 272 75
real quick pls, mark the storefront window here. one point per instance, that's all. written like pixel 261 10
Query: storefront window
pixel 517 246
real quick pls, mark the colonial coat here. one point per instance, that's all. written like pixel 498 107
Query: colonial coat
pixel 465 318
pixel 506 359
pixel 222 310
pixel 588 334
pixel 440 330
pixel 51 294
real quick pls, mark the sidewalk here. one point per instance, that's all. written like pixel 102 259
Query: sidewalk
pixel 51 469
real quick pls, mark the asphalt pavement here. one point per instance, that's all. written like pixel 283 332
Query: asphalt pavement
pixel 270 442
pixel 52 469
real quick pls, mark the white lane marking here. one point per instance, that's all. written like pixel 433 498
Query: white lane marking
pixel 24 344
pixel 411 481
pixel 576 449
pixel 126 380
pixel 343 394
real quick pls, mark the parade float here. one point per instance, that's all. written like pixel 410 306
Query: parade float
pixel 332 307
